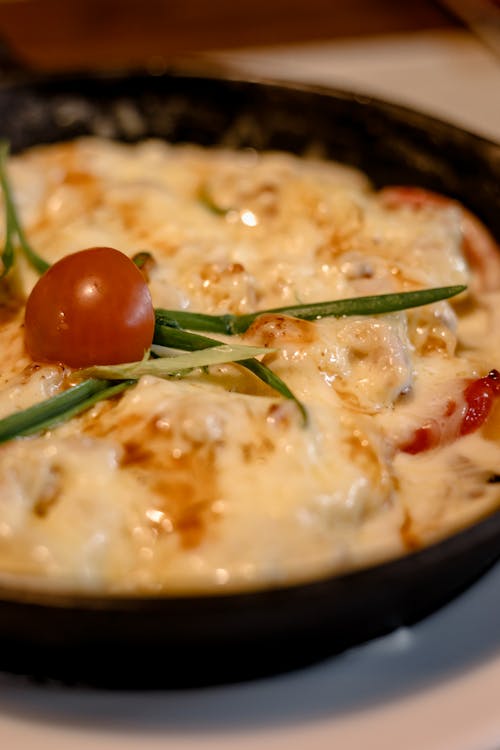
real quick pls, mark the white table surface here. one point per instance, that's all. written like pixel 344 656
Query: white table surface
pixel 435 686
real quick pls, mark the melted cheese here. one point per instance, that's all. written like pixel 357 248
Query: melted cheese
pixel 212 482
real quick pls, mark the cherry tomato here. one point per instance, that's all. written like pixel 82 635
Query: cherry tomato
pixel 424 438
pixel 479 397
pixel 91 307
pixel 473 410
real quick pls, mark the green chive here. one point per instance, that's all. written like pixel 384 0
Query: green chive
pixel 176 338
pixel 269 377
pixel 174 365
pixel 142 258
pixel 13 223
pixel 179 339
pixel 70 403
pixel 208 202
pixel 195 321
pixel 59 408
pixel 373 305
pixel 8 249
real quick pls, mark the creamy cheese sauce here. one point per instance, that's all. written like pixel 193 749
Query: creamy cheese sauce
pixel 212 482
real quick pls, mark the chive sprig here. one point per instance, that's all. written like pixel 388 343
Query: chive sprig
pixel 59 408
pixel 177 338
pixel 376 304
pixel 13 225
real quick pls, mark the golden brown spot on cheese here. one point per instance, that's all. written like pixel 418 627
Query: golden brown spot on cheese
pixel 182 480
pixel 129 213
pixel 49 493
pixel 433 345
pixel 271 330
pixel 342 224
pixel 214 272
pixel 80 179
pixel 406 282
pixel 280 414
pixel 183 483
pixel 430 335
pixel 228 286
pixel 257 450
pixel 362 452
pixel 166 247
pixel 77 192
pixel 135 454
pixel 28 371
pixel 100 426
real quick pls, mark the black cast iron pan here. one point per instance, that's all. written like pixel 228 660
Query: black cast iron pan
pixel 187 641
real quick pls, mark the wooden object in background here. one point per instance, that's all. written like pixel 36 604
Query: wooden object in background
pixel 78 34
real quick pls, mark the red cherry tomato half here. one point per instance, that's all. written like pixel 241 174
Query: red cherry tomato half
pixel 458 418
pixel 91 307
pixel 479 397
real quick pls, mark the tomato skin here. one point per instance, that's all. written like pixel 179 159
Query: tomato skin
pixel 473 410
pixel 91 307
pixel 424 438
pixel 479 246
pixel 394 196
pixel 479 396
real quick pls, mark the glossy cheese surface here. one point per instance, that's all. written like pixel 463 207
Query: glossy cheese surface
pixel 212 481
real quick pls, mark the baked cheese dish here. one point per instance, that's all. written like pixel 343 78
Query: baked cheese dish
pixel 210 479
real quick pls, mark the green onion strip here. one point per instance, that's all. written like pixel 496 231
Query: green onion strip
pixel 13 224
pixel 176 338
pixel 7 256
pixel 101 383
pixel 59 408
pixel 167 366
pixel 373 305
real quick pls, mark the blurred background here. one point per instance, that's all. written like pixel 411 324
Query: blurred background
pixel 57 34
pixel 443 57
